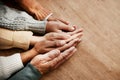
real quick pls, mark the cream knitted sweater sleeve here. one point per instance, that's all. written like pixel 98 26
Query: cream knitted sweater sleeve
pixel 14 39
pixel 9 65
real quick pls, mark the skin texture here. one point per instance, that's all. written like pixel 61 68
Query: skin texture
pixel 49 36
pixel 50 51
pixel 28 55
pixel 57 26
pixel 57 48
pixel 48 43
pixel 57 36
pixel 51 60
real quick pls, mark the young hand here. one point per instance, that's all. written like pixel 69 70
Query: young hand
pixel 57 26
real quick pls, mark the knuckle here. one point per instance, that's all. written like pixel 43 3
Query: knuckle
pixel 57 43
pixel 52 65
pixel 61 58
pixel 52 35
pixel 60 42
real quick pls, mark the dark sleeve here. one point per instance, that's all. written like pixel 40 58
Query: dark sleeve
pixel 27 73
pixel 14 19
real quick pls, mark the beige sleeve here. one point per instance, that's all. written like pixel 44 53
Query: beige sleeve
pixel 14 39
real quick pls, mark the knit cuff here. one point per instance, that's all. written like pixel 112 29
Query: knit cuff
pixel 6 38
pixel 27 73
pixel 38 27
pixel 10 65
pixel 34 74
pixel 21 39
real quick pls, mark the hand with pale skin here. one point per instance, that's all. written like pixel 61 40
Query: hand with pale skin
pixel 51 60
pixel 49 36
pixel 48 43
pixel 58 26
pixel 57 36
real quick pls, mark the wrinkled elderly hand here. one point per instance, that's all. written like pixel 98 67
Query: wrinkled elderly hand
pixel 53 41
pixel 59 41
pixel 51 60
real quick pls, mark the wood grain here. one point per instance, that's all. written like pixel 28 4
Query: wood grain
pixel 98 55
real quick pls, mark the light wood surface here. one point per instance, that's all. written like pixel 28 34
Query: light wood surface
pixel 98 55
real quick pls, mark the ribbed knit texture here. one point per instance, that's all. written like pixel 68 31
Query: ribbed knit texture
pixel 14 39
pixel 9 65
pixel 14 19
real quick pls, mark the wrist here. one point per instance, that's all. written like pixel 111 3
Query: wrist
pixel 27 56
pixel 35 39
pixel 47 26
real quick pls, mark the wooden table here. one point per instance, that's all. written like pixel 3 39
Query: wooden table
pixel 98 55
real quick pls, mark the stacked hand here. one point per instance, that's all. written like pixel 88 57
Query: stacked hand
pixel 55 53
pixel 54 48
pixel 51 41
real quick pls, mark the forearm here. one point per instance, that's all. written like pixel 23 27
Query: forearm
pixel 35 39
pixel 9 65
pixel 28 55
